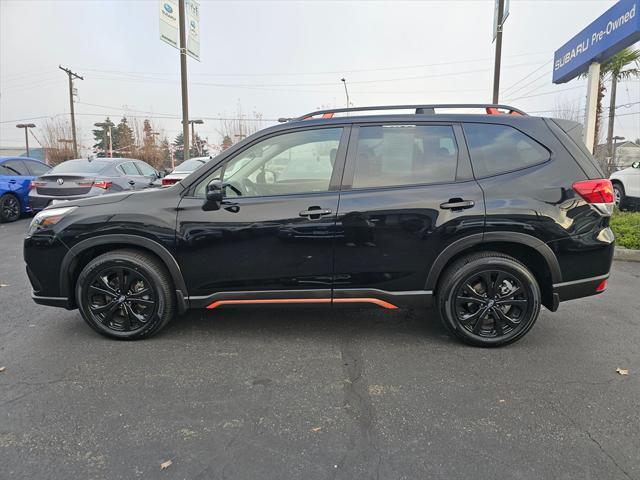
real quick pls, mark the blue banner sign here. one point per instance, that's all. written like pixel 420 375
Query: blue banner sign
pixel 614 30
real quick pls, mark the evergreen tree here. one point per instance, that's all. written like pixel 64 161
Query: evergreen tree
pixel 126 140
pixel 193 152
pixel 101 136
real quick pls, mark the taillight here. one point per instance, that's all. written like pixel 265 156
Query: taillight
pixel 35 184
pixel 102 184
pixel 598 193
pixel 169 181
pixel 602 287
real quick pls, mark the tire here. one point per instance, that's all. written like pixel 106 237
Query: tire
pixel 619 196
pixel 145 306
pixel 488 299
pixel 9 208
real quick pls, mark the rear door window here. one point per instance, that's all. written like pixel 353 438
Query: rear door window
pixel 496 149
pixel 392 155
pixel 18 167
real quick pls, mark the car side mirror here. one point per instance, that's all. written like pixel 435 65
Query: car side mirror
pixel 635 164
pixel 161 173
pixel 214 195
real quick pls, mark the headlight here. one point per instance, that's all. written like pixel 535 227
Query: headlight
pixel 48 218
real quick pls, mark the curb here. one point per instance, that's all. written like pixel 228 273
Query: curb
pixel 626 254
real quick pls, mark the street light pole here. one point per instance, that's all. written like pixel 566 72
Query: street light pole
pixel 26 127
pixel 193 133
pixel 346 92
pixel 183 80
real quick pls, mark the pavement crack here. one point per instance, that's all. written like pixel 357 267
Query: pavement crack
pixel 363 451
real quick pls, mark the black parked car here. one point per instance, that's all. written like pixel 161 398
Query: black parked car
pixel 82 178
pixel 484 216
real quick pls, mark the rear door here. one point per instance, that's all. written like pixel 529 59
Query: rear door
pixel 407 194
pixel 148 172
pixel 16 177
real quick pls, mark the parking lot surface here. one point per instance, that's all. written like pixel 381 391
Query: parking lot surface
pixel 317 394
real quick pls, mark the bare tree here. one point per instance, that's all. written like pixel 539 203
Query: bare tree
pixel 57 140
pixel 234 130
pixel 568 110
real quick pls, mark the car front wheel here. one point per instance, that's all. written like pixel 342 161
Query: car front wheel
pixel 125 294
pixel 618 195
pixel 488 299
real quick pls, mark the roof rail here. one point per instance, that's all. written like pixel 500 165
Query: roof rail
pixel 428 109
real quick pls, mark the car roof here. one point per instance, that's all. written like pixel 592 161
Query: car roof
pixel 3 159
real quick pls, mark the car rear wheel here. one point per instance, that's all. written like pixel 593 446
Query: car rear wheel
pixel 488 299
pixel 9 208
pixel 125 294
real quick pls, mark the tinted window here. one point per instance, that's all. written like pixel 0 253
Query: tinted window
pixel 500 148
pixel 17 166
pixel 298 162
pixel 37 168
pixel 7 171
pixel 146 169
pixel 129 168
pixel 80 166
pixel 405 154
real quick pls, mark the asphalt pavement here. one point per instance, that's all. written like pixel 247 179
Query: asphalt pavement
pixel 317 394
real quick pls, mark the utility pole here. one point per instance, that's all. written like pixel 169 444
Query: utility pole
pixel 72 75
pixel 183 80
pixel 26 127
pixel 496 66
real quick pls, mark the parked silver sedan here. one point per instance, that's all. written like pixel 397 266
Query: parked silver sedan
pixel 81 178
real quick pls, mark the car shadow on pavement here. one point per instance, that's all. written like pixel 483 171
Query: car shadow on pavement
pixel 314 323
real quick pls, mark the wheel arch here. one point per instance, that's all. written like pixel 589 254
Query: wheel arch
pixel 534 253
pixel 81 253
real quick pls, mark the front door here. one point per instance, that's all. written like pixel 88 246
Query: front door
pixel 408 192
pixel 271 238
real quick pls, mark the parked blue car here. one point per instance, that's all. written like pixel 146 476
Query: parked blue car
pixel 16 174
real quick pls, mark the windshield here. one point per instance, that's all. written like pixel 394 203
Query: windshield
pixel 80 166
pixel 191 164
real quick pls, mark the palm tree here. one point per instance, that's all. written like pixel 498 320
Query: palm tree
pixel 616 66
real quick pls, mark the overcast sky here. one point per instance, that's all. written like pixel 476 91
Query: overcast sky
pixel 283 59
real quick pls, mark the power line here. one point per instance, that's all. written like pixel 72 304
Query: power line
pixel 526 76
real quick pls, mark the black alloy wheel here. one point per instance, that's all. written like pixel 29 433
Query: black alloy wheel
pixel 125 294
pixel 489 299
pixel 9 208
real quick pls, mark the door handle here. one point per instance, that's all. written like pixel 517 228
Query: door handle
pixel 131 182
pixel 12 181
pixel 314 213
pixel 457 204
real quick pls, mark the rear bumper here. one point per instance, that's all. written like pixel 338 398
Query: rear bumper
pixel 52 301
pixel 579 288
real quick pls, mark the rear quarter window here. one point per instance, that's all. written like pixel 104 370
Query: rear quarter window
pixel 496 149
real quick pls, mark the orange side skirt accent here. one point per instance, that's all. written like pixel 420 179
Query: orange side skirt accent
pixel 376 301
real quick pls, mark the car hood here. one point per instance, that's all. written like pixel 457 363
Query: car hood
pixel 115 197
pixel 622 172
pixel 96 200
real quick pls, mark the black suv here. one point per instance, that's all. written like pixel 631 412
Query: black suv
pixel 484 216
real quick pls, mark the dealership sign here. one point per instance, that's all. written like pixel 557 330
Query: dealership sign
pixel 614 30
pixel 170 26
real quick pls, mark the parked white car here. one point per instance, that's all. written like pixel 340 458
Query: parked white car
pixel 626 186
pixel 184 169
